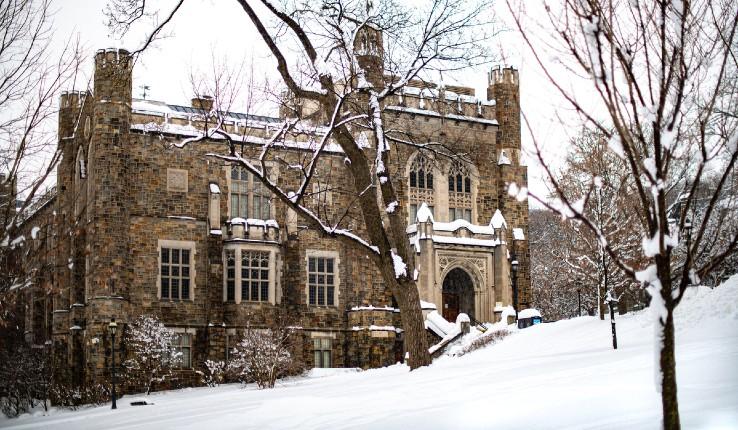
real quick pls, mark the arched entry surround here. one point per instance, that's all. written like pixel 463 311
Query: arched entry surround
pixel 467 291
pixel 457 295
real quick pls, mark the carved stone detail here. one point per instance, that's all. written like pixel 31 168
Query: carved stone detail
pixel 445 261
pixel 177 180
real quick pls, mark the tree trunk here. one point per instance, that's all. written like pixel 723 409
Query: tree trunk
pixel 416 342
pixel 669 402
pixel 667 362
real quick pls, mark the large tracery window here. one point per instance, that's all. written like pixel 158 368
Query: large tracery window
pixel 421 173
pixel 421 185
pixel 459 192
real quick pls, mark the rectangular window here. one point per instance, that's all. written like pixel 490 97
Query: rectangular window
pixel 321 281
pixel 249 197
pixel 239 191
pixel 459 213
pixel 182 343
pixel 175 274
pixel 230 275
pixel 255 276
pixel 322 351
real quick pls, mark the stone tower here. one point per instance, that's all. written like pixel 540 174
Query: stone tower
pixel 108 201
pixel 504 87
pixel 369 50
pixel 71 107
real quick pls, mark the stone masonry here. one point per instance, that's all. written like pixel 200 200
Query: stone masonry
pixel 126 196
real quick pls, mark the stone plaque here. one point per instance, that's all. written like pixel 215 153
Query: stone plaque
pixel 177 180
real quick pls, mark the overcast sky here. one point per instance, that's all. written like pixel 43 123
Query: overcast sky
pixel 204 27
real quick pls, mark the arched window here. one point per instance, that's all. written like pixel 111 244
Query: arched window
pixel 421 191
pixel 421 173
pixel 459 192
pixel 459 179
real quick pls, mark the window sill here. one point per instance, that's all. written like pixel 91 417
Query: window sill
pixel 248 302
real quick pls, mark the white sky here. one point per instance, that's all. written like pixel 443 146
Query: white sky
pixel 206 27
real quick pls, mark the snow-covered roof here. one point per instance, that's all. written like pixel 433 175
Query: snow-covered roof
pixel 158 108
pixel 455 226
pixel 426 112
pixel 498 220
pixel 518 234
pixel 186 130
pixel 255 222
pixel 424 213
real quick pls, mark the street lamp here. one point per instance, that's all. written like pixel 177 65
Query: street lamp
pixel 113 327
pixel 514 266
pixel 688 232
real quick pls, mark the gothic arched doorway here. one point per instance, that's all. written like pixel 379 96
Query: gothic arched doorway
pixel 458 294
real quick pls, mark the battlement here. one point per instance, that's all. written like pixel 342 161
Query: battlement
pixel 69 99
pixel 113 57
pixel 504 75
pixel 452 102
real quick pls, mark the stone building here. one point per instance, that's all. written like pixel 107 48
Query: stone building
pixel 142 227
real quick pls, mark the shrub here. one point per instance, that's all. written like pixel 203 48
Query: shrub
pixel 484 340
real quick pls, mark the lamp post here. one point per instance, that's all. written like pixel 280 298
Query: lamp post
pixel 688 231
pixel 514 266
pixel 113 327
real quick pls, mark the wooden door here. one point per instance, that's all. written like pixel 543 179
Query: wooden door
pixel 450 306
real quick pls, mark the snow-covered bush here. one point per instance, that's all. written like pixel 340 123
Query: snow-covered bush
pixel 152 355
pixel 263 355
pixel 214 374
pixel 66 396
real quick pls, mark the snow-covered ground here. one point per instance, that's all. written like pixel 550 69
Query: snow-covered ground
pixel 559 375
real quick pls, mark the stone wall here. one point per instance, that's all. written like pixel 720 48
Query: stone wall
pixel 138 190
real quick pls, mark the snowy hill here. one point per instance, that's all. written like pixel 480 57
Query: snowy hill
pixel 559 375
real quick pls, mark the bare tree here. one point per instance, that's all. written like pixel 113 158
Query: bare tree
pixel 31 76
pixel 658 82
pixel 556 287
pixel 609 207
pixel 341 62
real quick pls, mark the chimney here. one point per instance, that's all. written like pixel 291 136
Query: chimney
pixel 203 102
